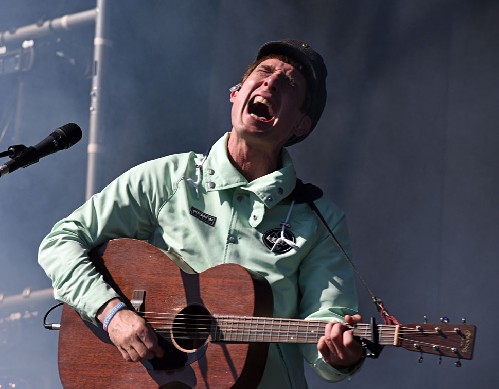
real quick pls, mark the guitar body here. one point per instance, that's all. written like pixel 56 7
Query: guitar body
pixel 88 359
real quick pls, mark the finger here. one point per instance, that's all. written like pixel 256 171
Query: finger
pixel 150 341
pixel 342 341
pixel 353 319
pixel 142 350
pixel 349 349
pixel 336 332
pixel 328 342
pixel 131 354
pixel 350 343
pixel 324 349
pixel 124 354
pixel 338 346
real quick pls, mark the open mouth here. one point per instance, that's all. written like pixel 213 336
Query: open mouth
pixel 260 108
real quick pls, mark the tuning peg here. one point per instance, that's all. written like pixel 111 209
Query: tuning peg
pixel 425 319
pixel 439 360
pixel 463 320
pixel 445 319
pixel 420 360
pixel 458 363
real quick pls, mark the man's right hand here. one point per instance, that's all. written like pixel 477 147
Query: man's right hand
pixel 130 333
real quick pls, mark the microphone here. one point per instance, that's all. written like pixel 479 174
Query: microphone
pixel 62 138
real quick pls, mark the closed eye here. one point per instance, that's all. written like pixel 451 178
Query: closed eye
pixel 267 70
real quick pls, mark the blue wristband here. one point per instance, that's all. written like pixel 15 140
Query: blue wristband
pixel 118 307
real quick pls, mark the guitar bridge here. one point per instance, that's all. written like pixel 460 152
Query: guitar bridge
pixel 138 300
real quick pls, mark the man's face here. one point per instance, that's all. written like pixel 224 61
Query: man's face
pixel 267 108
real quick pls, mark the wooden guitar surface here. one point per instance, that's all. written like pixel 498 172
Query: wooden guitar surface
pixel 88 359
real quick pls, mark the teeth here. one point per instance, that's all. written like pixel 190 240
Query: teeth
pixel 257 110
pixel 261 100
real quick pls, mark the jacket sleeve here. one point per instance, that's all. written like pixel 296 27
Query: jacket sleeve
pixel 122 209
pixel 327 286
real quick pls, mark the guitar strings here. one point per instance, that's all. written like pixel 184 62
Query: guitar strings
pixel 299 334
pixel 230 326
pixel 166 318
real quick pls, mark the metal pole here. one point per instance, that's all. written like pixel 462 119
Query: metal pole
pixel 28 297
pixel 48 27
pixel 102 46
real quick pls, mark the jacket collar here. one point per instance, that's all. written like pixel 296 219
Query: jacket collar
pixel 220 174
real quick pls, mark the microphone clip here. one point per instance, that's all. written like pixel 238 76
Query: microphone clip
pixel 13 151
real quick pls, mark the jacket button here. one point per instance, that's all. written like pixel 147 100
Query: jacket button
pixel 211 185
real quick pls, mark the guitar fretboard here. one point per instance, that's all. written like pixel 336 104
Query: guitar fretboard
pixel 226 328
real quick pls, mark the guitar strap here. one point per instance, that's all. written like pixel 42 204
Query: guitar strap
pixel 308 193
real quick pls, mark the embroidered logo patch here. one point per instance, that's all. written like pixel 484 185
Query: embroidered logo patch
pixel 204 217
pixel 277 241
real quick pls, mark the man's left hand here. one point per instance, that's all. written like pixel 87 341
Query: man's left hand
pixel 338 346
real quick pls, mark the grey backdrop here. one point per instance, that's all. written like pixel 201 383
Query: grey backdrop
pixel 407 146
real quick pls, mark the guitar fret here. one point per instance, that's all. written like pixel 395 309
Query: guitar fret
pixel 250 330
pixel 307 331
pixel 240 329
pixel 262 331
pixel 219 332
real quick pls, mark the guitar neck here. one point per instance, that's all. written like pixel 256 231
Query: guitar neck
pixel 273 330
pixel 454 341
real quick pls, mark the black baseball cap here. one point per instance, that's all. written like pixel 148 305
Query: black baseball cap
pixel 314 70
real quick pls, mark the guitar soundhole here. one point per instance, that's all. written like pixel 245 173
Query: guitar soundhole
pixel 191 327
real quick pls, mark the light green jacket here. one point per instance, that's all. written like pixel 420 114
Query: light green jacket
pixel 206 212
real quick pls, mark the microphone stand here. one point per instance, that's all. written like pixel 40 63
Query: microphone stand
pixel 13 152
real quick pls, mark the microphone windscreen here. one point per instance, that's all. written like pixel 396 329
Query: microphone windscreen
pixel 69 135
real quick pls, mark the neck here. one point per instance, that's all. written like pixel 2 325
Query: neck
pixel 252 161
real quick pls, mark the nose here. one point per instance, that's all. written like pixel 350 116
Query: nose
pixel 272 81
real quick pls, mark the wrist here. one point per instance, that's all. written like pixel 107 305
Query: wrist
pixel 108 314
pixel 106 308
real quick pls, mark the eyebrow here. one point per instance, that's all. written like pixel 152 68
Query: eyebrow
pixel 266 67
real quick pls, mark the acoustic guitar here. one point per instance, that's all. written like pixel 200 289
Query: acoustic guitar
pixel 215 326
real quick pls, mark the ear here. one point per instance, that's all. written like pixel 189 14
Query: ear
pixel 232 95
pixel 303 126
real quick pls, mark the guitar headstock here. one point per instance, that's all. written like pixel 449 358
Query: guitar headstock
pixel 445 340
